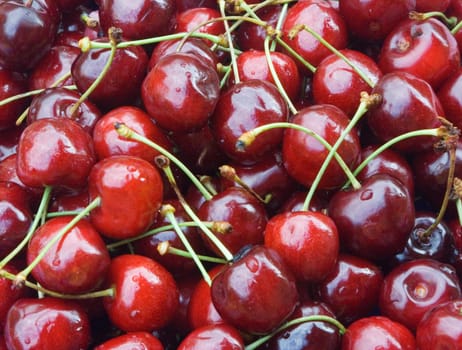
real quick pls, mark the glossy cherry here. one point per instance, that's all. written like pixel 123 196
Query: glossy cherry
pixel 196 19
pixel 11 84
pixel 145 294
pixel 213 337
pixel 450 99
pixel 249 305
pixel 180 92
pixel 10 294
pixel 131 192
pixel 132 340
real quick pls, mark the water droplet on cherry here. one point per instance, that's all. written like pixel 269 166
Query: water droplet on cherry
pixel 366 195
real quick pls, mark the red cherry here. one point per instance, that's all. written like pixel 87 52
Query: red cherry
pixel 131 192
pixel 10 293
pixel 378 332
pixel 180 92
pixel 132 340
pixel 47 323
pixel 55 152
pixel 9 139
pixel 77 263
pixel 304 236
pixel 194 19
pixel 145 294
pixel 429 5
pixel 250 305
pixel 74 201
pixel 11 84
pixel 213 337
pixel 450 99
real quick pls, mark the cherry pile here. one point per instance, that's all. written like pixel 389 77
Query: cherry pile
pixel 262 174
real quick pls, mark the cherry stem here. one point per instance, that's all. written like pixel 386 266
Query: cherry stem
pixel 456 28
pixel 125 131
pixel 221 6
pixel 88 21
pixel 296 55
pixel 459 210
pixel 29 94
pixel 163 163
pixel 22 276
pixel 248 137
pixel 314 318
pixel 42 209
pixel 419 16
pixel 167 249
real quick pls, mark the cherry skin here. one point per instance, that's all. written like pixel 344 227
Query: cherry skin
pixel 243 107
pixel 47 323
pixel 77 263
pixel 426 49
pixel 55 152
pixel 180 92
pixel 408 104
pixel 131 192
pixel 450 100
pixel 303 155
pixel 58 103
pixel 145 294
pixel 415 287
pixel 378 332
pixel 304 236
pixel 74 201
pixel 11 84
pixel 10 293
pixel 108 142
pixel 132 340
pixel 194 19
pixel 213 337
pixel 433 334
pixel 245 213
pixel 260 309
pixel 9 139
pixel 351 289
pixel 428 5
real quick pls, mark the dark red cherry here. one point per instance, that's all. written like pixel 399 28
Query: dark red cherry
pixel 27 32
pixel 180 92
pixel 196 19
pixel 109 143
pixel 303 155
pixel 373 20
pixel 9 139
pixel 352 288
pixel 213 337
pixel 429 5
pixel 11 84
pixel 377 332
pixel 243 107
pixel 415 287
pixel 10 293
pixel 304 236
pixel 426 49
pixel 121 84
pixel 73 201
pixel 53 66
pixel 408 104
pixel 46 323
pixel 336 82
pixel 145 294
pixel 132 340
pixel 450 99
pixel 55 152
pixel 138 20
pixel 131 192
pixel 320 17
pixel 58 103
pixel 374 221
pixel 434 332
pixel 77 263
pixel 249 305
pixel 245 213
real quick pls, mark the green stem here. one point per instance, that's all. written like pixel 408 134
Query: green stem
pixel 456 28
pixel 296 55
pixel 221 6
pixel 459 210
pixel 29 94
pixel 185 254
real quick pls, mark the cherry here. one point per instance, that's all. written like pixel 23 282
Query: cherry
pixel 432 332
pixel 429 5
pixel 74 201
pixel 322 18
pixel 249 305
pixel 54 152
pixel 145 294
pixel 213 337
pixel 373 20
pixel 196 19
pixel 301 237
pixel 11 84
pixel 245 214
pixel 47 323
pixel 58 103
pixel 109 143
pixel 243 107
pixel 77 263
pixel 139 20
pixel 378 332
pixel 303 155
pixel 180 92
pixel 132 340
pixel 131 192
pixel 408 104
pixel 336 82
pixel 10 293
pixel 415 287
pixel 27 38
pixel 121 84
pixel 9 139
pixel 307 335
pixel 374 221
pixel 450 100
pixel 351 289
pixel 426 49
